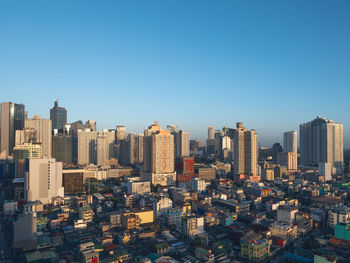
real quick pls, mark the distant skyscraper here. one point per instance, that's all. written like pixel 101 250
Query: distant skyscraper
pixel 321 140
pixel 12 119
pixel 87 147
pixel 182 144
pixel 58 116
pixel 121 133
pixel 135 148
pixel 105 147
pixel 65 148
pixel 43 180
pixel 276 148
pixel 43 128
pixel 290 141
pixel 159 159
pixel 211 133
pixel 245 152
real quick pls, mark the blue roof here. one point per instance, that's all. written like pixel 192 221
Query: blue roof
pixel 297 258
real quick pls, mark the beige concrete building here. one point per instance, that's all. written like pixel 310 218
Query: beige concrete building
pixel 43 181
pixel 245 151
pixel 87 140
pixel 159 159
pixel 105 147
pixel 182 144
pixel 120 133
pixel 27 135
pixel 43 128
pixel 27 150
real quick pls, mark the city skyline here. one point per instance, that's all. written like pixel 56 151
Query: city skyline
pixel 203 64
pixel 200 135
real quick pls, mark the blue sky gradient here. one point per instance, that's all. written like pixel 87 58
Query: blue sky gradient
pixel 270 64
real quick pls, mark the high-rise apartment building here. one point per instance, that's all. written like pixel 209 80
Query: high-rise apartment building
pixel 12 119
pixel 87 140
pixel 105 147
pixel 58 116
pixel 135 148
pixel 120 133
pixel 211 133
pixel 43 181
pixel 43 128
pixel 321 140
pixel 159 159
pixel 290 141
pixel 182 144
pixel 245 152
pixel 95 147
pixel 27 135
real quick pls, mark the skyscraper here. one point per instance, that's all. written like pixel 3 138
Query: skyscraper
pixel 12 119
pixel 159 159
pixel 182 144
pixel 43 128
pixel 321 140
pixel 290 141
pixel 105 147
pixel 58 116
pixel 120 133
pixel 43 180
pixel 87 140
pixel 135 148
pixel 211 133
pixel 245 153
pixel 64 148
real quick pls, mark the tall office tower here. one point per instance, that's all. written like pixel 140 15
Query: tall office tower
pixel 87 147
pixel 290 142
pixel 43 128
pixel 65 148
pixel 321 140
pixel 58 116
pixel 211 133
pixel 105 147
pixel 159 159
pixel 276 148
pixel 135 148
pixel 246 153
pixel 120 133
pixel 27 135
pixel 12 119
pixel 43 180
pixel 182 144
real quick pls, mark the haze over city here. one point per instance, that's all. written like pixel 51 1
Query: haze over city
pixel 271 64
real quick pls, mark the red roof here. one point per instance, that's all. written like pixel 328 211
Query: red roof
pixel 110 247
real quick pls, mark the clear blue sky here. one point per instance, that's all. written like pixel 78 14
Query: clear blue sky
pixel 270 64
